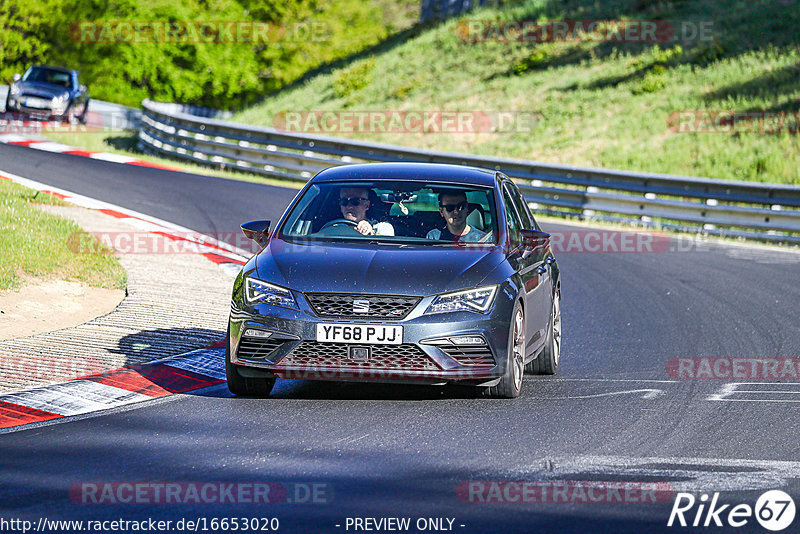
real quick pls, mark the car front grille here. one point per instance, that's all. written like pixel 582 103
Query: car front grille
pixel 474 356
pixel 392 307
pixel 313 354
pixel 44 104
pixel 257 348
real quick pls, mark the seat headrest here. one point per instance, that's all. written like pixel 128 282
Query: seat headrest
pixel 475 217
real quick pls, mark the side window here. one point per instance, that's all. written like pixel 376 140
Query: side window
pixel 512 219
pixel 522 207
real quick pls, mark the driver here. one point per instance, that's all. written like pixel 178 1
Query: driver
pixel 454 208
pixel 354 203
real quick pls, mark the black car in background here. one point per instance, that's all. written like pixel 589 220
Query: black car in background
pixel 48 93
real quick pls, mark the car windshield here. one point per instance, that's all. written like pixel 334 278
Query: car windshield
pixel 394 212
pixel 55 77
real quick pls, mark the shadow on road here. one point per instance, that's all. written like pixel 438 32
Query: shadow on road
pixel 147 345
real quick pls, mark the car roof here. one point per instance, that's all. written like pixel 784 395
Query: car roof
pixel 422 172
pixel 59 69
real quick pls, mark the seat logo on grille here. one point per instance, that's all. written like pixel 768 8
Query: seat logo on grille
pixel 360 306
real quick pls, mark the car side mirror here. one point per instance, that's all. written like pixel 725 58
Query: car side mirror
pixel 82 88
pixel 534 240
pixel 17 76
pixel 258 231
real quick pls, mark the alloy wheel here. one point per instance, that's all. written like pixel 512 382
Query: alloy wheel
pixel 518 350
pixel 556 328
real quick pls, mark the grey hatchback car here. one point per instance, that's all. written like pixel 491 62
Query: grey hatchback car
pixel 398 272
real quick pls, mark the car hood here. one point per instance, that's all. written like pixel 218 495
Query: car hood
pixel 45 90
pixel 389 269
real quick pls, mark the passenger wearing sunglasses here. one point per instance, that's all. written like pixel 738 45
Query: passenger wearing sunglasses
pixel 354 203
pixel 454 208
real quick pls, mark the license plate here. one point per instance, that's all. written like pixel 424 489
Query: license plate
pixel 36 102
pixel 360 333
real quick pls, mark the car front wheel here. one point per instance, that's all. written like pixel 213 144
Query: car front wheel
pixel 510 384
pixel 546 363
pixel 82 116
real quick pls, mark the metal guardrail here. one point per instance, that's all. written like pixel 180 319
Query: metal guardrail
pixel 768 212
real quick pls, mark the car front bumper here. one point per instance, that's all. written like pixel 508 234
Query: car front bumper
pixel 16 105
pixel 426 355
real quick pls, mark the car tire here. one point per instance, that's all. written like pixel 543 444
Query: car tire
pixel 70 117
pixel 510 383
pixel 546 363
pixel 82 117
pixel 241 385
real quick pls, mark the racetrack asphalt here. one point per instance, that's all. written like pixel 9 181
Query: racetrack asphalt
pixel 612 414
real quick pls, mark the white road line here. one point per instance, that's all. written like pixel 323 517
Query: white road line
pixel 781 391
pixel 703 474
pixel 49 146
pixel 73 397
pixel 105 156
pixel 757 400
pixel 648 394
pixel 727 391
pixel 83 397
pixel 16 138
pixel 350 439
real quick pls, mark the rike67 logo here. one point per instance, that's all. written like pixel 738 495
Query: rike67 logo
pixel 774 510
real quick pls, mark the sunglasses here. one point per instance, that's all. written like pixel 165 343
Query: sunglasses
pixel 352 201
pixel 452 207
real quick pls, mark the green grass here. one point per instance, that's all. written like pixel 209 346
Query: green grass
pixel 37 243
pixel 601 103
pixel 124 144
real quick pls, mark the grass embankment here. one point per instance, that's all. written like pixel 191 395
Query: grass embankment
pixel 601 103
pixel 37 244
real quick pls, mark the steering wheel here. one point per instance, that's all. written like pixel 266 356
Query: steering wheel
pixel 339 222
pixel 339 228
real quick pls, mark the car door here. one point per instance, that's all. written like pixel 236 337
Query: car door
pixel 532 268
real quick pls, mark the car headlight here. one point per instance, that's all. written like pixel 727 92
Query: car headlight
pixel 14 90
pixel 257 292
pixel 475 300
